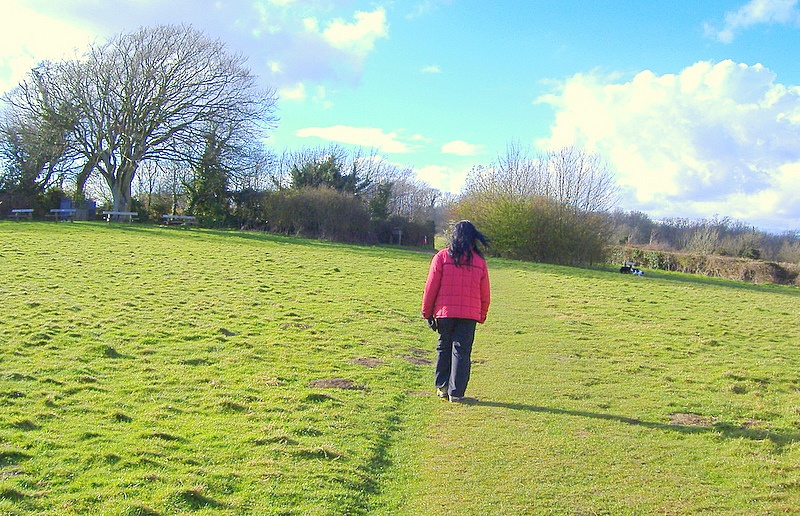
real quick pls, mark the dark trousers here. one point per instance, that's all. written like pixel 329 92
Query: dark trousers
pixel 453 350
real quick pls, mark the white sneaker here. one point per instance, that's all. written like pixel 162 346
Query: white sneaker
pixel 455 399
pixel 441 392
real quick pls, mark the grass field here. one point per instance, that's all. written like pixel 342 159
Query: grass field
pixel 148 370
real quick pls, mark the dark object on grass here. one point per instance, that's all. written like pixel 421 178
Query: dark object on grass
pixel 630 268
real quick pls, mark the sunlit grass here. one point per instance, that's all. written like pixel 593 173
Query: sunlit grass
pixel 602 393
pixel 161 370
pixel 149 370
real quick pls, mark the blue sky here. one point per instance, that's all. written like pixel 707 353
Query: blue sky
pixel 694 105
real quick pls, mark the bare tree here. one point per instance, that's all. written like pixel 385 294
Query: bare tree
pixel 152 94
pixel 256 170
pixel 581 180
pixel 33 144
pixel 521 174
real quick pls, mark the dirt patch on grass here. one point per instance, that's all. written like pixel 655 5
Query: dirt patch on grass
pixel 692 420
pixel 296 325
pixel 418 393
pixel 418 360
pixel 336 383
pixel 418 357
pixel 755 424
pixel 367 361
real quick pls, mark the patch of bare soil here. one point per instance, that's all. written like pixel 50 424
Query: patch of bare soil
pixel 755 424
pixel 418 393
pixel 336 383
pixel 692 420
pixel 367 361
pixel 417 360
pixel 417 357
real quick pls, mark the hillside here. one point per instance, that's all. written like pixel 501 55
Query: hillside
pixel 149 370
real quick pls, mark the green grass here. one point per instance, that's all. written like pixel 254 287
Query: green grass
pixel 602 393
pixel 150 370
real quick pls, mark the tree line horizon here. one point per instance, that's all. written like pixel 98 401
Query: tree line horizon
pixel 165 120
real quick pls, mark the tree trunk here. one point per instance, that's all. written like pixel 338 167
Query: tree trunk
pixel 122 196
pixel 121 187
pixel 82 178
pixel 121 193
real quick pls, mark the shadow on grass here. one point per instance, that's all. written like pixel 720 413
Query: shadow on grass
pixel 378 250
pixel 726 430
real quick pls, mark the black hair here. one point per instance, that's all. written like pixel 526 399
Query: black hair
pixel 464 242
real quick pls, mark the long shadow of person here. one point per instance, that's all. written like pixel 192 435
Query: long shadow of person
pixel 780 438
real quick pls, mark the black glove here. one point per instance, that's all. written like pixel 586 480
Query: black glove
pixel 433 324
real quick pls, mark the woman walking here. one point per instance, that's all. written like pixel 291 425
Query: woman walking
pixel 456 298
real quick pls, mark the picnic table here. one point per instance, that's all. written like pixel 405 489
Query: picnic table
pixel 22 213
pixel 63 213
pixel 186 220
pixel 122 216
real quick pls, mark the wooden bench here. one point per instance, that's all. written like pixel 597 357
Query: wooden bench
pixel 26 213
pixel 63 213
pixel 186 220
pixel 121 216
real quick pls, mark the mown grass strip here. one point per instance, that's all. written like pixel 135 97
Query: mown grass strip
pixel 601 393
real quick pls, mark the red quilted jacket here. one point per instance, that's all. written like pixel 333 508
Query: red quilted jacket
pixel 456 292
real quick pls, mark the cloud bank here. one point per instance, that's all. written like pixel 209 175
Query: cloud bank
pixel 718 138
pixel 461 148
pixel 27 37
pixel 361 136
pixel 288 43
pixel 755 12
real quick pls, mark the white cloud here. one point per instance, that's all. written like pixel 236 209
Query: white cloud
pixel 321 98
pixel 286 41
pixel 426 7
pixel 460 148
pixel 296 92
pixel 420 138
pixel 718 138
pixel 359 37
pixel 444 178
pixel 361 136
pixel 27 37
pixel 311 24
pixel 756 12
pixel 431 69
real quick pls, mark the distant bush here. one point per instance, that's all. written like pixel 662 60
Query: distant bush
pixel 401 231
pixel 538 229
pixel 251 209
pixel 317 212
pixel 551 207
pixel 749 270
pixel 719 236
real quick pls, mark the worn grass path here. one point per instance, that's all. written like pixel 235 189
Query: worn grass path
pixel 602 393
pixel 154 370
